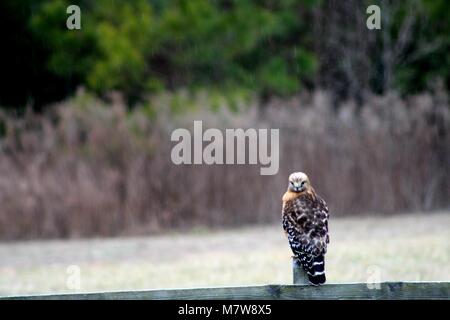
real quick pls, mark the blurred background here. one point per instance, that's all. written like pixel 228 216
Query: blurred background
pixel 86 117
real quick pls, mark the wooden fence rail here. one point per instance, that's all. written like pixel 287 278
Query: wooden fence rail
pixel 299 290
pixel 386 290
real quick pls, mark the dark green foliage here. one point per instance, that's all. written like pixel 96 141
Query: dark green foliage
pixel 269 47
pixel 145 46
pixel 25 76
pixel 427 58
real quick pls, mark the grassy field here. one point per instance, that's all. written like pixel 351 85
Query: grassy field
pixel 413 247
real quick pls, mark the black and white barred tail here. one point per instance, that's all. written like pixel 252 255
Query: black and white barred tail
pixel 314 267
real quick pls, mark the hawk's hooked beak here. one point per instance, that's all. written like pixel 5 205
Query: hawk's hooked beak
pixel 297 186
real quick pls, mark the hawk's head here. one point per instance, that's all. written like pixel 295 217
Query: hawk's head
pixel 299 182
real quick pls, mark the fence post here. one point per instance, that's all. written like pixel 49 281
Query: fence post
pixel 299 275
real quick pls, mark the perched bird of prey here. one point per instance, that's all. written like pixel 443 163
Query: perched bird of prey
pixel 305 221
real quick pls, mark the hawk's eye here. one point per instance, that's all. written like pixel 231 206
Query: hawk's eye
pixel 303 182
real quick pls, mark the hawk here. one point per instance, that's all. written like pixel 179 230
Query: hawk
pixel 305 222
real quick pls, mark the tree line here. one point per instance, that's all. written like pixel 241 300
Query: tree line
pixel 271 48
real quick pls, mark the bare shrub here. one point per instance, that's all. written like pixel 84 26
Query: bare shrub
pixel 90 169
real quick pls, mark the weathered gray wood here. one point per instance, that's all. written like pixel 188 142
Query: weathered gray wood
pixel 298 274
pixel 387 290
